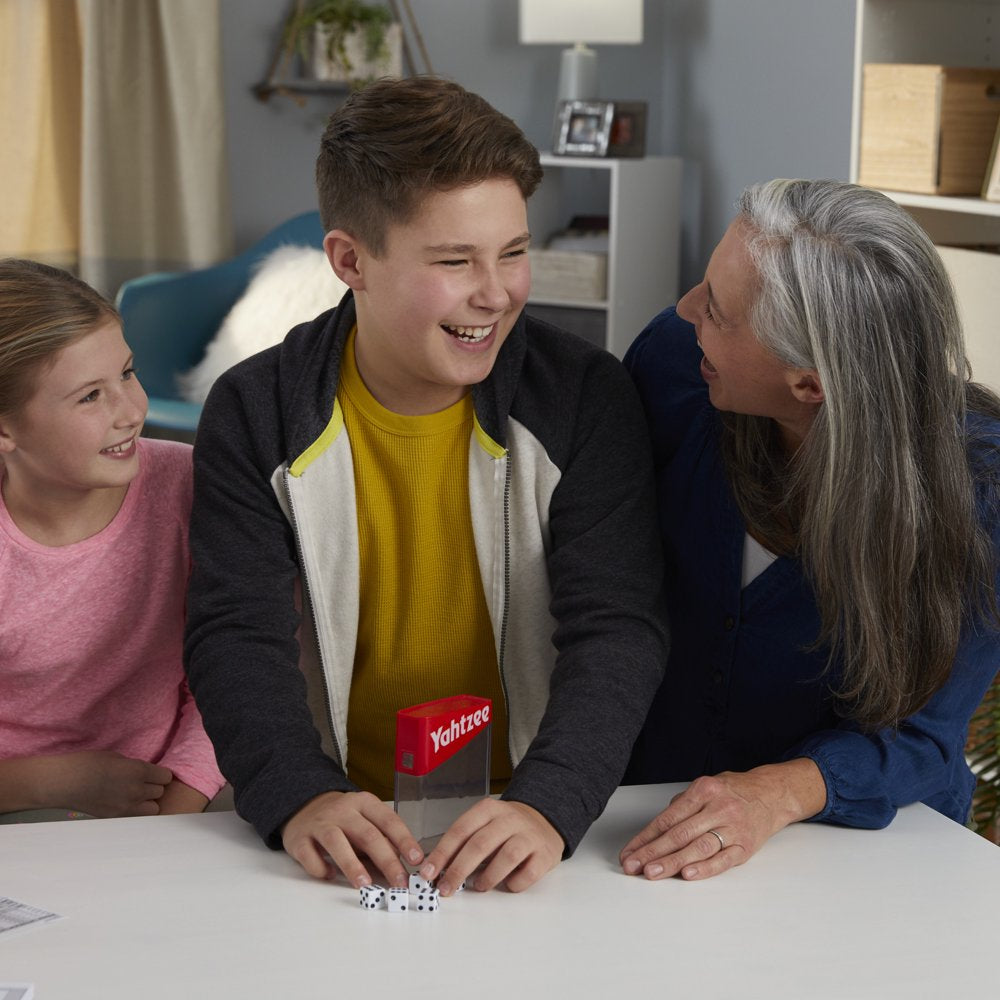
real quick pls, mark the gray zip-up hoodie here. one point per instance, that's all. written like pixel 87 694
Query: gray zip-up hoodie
pixel 560 489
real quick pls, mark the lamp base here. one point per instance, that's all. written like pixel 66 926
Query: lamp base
pixel 578 74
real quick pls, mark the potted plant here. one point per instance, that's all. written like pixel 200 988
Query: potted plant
pixel 348 41
pixel 983 754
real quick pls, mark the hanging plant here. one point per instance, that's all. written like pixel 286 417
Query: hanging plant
pixel 333 27
pixel 983 754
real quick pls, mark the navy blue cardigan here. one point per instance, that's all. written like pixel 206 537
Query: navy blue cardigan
pixel 741 689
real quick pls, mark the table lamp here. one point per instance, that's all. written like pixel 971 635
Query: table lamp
pixel 577 22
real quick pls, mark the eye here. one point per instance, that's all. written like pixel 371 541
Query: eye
pixel 453 263
pixel 708 311
pixel 128 374
pixel 91 396
pixel 516 253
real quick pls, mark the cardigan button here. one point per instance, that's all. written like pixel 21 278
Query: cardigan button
pixel 729 624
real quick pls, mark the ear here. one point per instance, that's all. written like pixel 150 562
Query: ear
pixel 344 253
pixel 805 385
pixel 7 444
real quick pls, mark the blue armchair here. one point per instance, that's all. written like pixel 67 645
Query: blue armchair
pixel 169 318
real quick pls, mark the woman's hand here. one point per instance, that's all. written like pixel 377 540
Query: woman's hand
pixel 721 821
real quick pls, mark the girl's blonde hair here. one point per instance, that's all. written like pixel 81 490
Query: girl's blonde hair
pixel 42 310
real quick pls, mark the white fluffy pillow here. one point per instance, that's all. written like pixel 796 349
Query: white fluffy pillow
pixel 292 284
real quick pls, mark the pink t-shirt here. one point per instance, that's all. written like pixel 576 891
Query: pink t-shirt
pixel 91 633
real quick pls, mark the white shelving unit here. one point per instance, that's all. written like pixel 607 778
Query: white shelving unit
pixel 641 198
pixel 951 33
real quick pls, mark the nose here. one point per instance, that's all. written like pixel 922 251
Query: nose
pixel 687 307
pixel 490 292
pixel 131 404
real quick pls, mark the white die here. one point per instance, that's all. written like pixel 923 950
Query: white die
pixel 425 902
pixel 372 897
pixel 398 899
pixel 418 884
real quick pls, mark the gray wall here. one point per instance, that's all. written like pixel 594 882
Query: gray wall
pixel 743 90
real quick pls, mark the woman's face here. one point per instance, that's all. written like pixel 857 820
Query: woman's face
pixel 743 376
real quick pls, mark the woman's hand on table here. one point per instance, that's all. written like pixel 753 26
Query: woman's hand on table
pixel 721 821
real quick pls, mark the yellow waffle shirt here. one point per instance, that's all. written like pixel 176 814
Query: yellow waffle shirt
pixel 424 629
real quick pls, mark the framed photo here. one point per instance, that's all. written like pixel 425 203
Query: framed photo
pixel 991 182
pixel 600 128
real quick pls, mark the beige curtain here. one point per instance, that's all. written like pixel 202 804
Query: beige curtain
pixel 112 136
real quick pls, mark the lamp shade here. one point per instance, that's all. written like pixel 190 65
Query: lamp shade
pixel 601 22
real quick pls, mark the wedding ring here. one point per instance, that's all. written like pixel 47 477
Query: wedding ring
pixel 718 836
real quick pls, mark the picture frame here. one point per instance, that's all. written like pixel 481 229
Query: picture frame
pixel 991 182
pixel 600 128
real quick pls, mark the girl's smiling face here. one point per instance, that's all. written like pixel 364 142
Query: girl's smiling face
pixel 77 432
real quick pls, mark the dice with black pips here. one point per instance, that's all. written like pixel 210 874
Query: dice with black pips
pixel 372 897
pixel 419 884
pixel 425 902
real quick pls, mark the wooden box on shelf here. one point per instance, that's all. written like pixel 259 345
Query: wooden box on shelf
pixel 568 274
pixel 975 275
pixel 927 128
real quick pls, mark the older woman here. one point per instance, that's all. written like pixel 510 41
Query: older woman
pixel 828 505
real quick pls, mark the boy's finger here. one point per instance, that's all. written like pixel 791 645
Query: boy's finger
pixel 454 840
pixel 366 838
pixel 397 832
pixel 341 846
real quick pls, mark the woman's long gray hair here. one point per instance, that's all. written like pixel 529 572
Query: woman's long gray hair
pixel 880 500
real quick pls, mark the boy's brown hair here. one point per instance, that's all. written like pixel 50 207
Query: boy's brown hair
pixel 397 140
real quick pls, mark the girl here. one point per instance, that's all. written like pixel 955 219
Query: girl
pixel 827 479
pixel 95 715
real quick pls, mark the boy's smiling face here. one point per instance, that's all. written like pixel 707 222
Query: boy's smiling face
pixel 435 307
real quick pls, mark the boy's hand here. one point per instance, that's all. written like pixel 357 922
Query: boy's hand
pixel 517 841
pixel 344 825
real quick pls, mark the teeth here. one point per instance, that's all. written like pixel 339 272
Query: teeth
pixel 470 334
pixel 120 447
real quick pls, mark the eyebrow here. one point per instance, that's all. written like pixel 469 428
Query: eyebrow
pixel 714 303
pixel 97 381
pixel 465 248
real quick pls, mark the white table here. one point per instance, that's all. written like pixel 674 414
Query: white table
pixel 186 907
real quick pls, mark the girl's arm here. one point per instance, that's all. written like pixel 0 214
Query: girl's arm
pixel 180 798
pixel 191 758
pixel 97 782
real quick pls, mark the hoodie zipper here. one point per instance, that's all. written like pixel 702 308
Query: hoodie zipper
pixel 502 646
pixel 312 618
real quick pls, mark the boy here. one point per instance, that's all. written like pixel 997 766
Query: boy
pixel 456 498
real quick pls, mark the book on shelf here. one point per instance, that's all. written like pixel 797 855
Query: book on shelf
pixel 991 182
